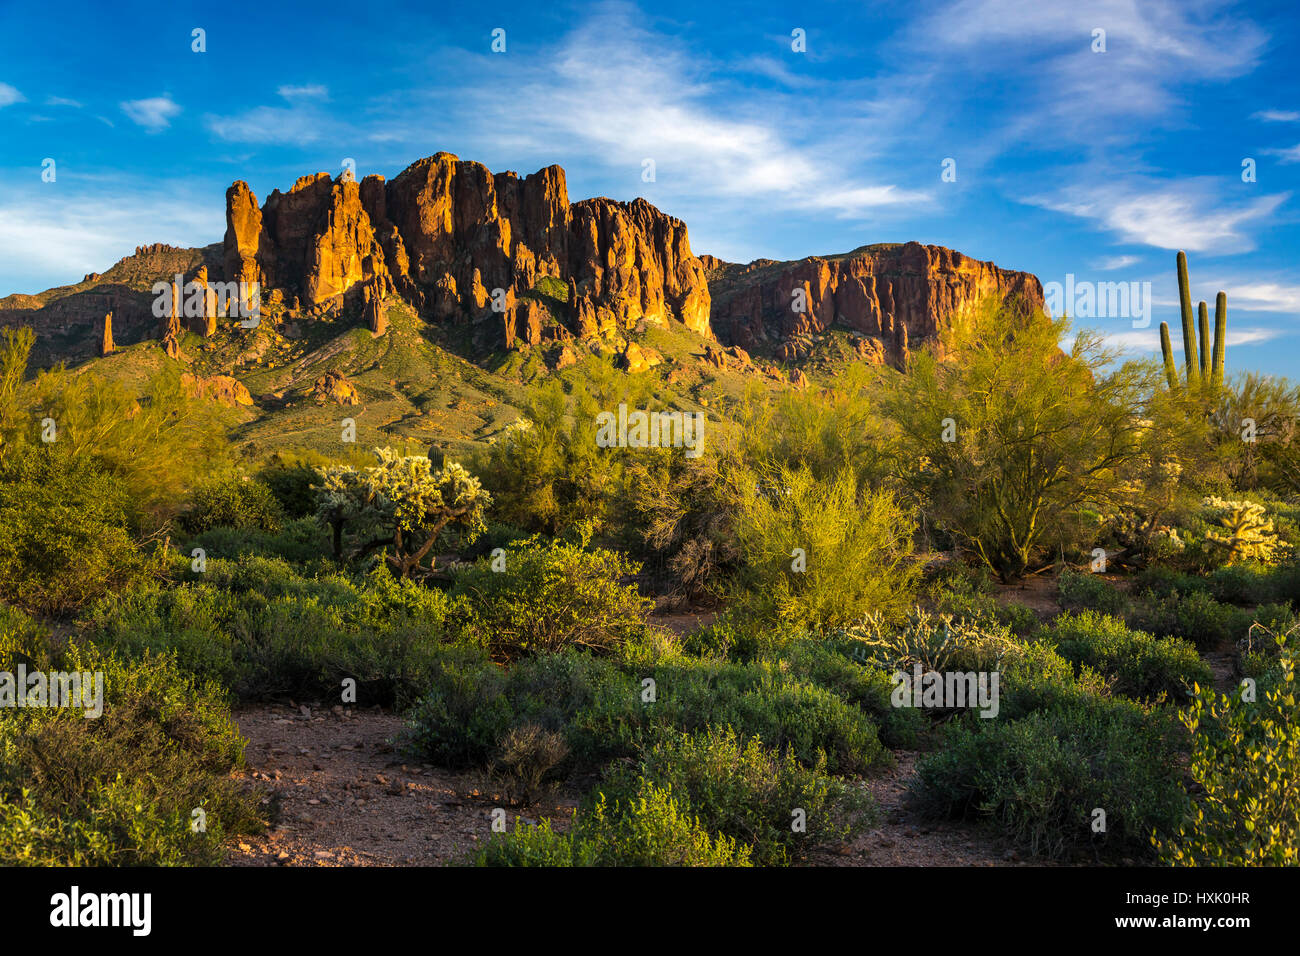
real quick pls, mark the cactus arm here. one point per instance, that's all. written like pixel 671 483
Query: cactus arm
pixel 1189 326
pixel 1203 325
pixel 1167 349
pixel 1220 338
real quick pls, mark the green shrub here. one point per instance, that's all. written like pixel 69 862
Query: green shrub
pixel 828 665
pixel 749 792
pixel 1246 760
pixel 1041 778
pixel 1196 617
pixel 122 788
pixel 232 502
pixel 821 553
pixel 552 595
pixel 650 828
pixel 65 538
pixel 299 541
pixel 263 629
pixel 1080 590
pixel 1142 667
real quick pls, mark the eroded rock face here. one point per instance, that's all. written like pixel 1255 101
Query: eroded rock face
pixel 457 240
pixel 897 295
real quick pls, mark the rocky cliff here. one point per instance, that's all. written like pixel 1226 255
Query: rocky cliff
pixel 456 240
pixel 895 296
pixel 514 260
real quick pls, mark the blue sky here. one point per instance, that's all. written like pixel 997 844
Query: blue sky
pixel 1068 161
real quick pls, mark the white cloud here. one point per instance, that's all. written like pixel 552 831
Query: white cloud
pixel 270 124
pixel 1286 156
pixel 51 235
pixel 1148 340
pixel 614 94
pixel 154 114
pixel 310 91
pixel 1277 116
pixel 1183 214
pixel 9 95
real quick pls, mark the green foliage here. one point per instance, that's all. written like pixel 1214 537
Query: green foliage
pixel 118 789
pixel 1084 590
pixel 543 596
pixel 400 502
pixel 66 539
pixel 649 829
pixel 545 472
pixel 603 713
pixel 1039 778
pixel 1038 435
pixel 160 443
pixel 263 629
pixel 819 554
pixel 1142 666
pixel 232 502
pixel 749 792
pixel 1246 760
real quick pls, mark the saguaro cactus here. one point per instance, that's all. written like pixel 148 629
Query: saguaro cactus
pixel 1220 339
pixel 1207 370
pixel 1203 325
pixel 1189 328
pixel 1167 349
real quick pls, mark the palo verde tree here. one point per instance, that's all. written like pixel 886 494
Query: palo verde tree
pixel 400 505
pixel 1008 441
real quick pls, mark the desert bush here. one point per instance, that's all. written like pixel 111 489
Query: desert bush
pixel 829 664
pixel 232 502
pixel 119 789
pixel 1196 616
pixel 551 595
pixel 1082 590
pixel 1039 432
pixel 262 629
pixel 820 553
pixel 650 828
pixel 1142 666
pixel 605 713
pixel 299 541
pixel 65 538
pixel 1246 760
pixel 1040 778
pixel 749 792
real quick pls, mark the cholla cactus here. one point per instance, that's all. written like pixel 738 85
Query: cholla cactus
pixel 402 501
pixel 1247 531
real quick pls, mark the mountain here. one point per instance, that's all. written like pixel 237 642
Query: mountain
pixel 517 264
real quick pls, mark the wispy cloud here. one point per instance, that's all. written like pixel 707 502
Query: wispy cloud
pixel 1184 214
pixel 1147 340
pixel 154 114
pixel 311 92
pixel 52 234
pixel 9 95
pixel 1111 263
pixel 1277 116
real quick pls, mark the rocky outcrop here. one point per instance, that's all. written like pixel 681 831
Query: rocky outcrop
pixel 458 241
pixel 333 387
pixel 897 295
pixel 222 389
